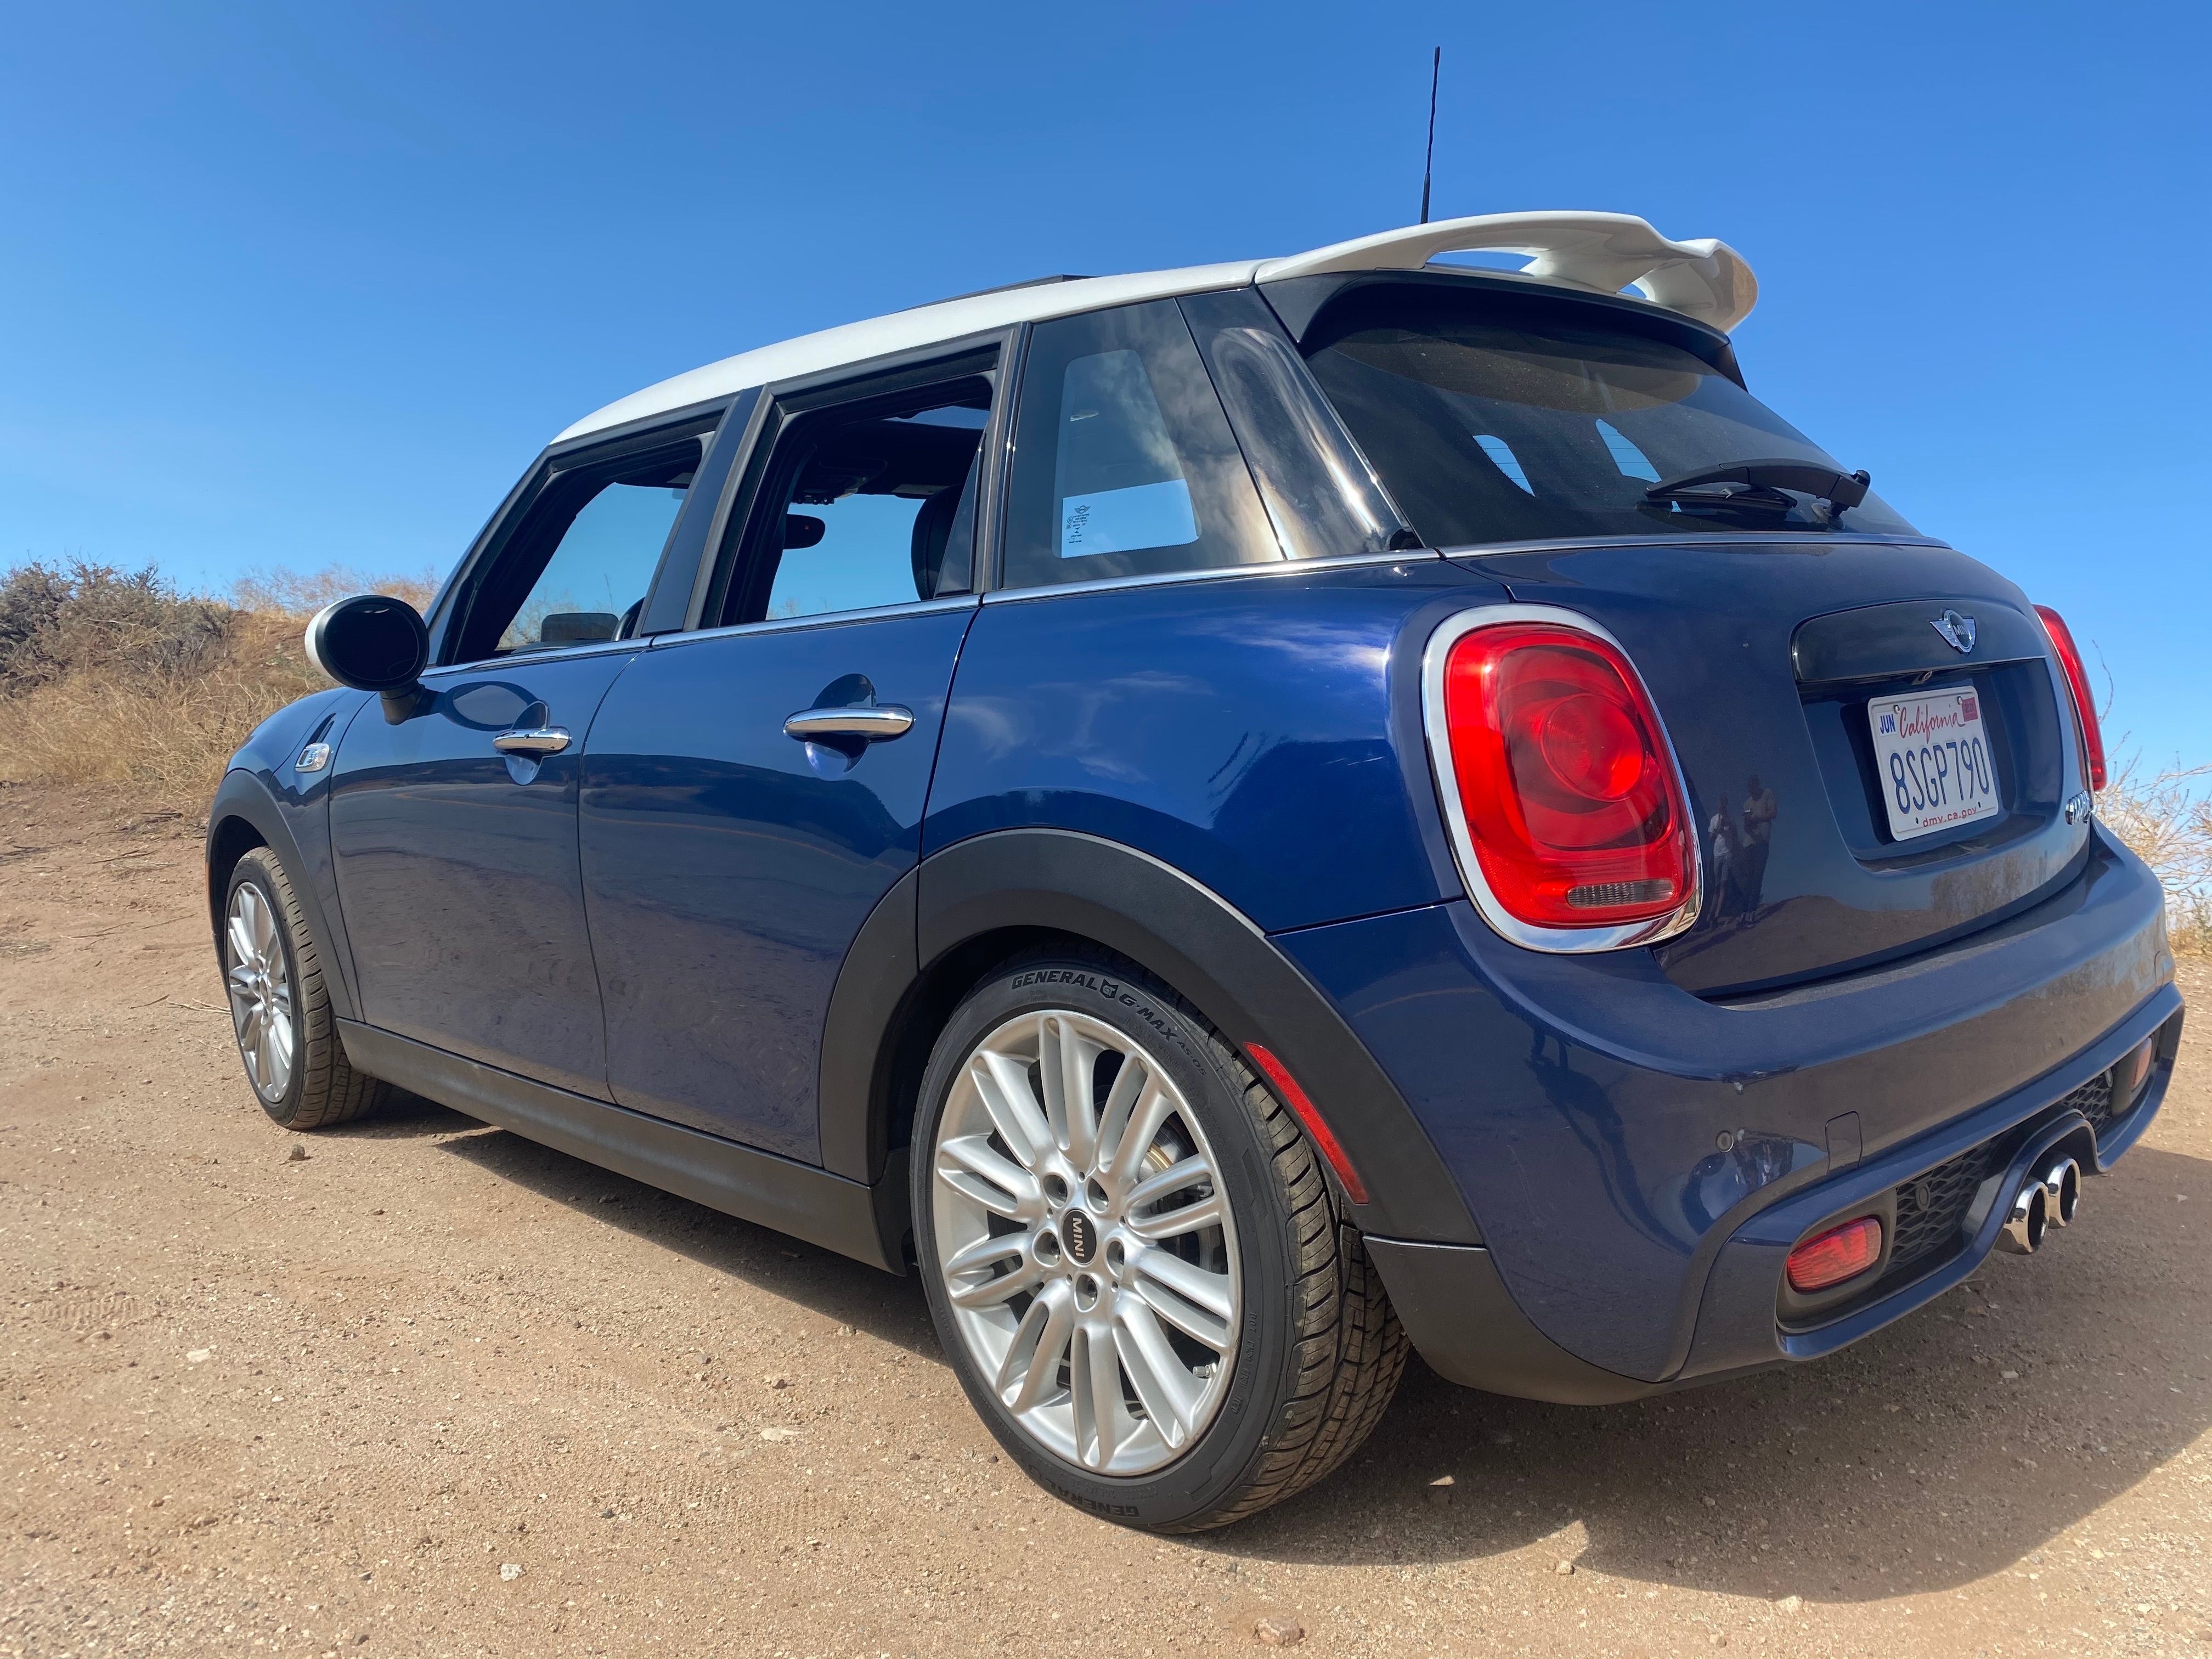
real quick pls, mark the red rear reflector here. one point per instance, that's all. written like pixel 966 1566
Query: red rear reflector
pixel 1295 1098
pixel 2077 682
pixel 1575 815
pixel 1839 1253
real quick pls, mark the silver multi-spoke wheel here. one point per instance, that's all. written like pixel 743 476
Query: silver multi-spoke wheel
pixel 1085 1243
pixel 260 991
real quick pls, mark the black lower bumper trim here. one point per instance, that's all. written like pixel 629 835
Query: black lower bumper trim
pixel 1465 1324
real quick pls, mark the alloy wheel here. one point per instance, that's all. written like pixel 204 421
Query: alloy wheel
pixel 260 991
pixel 1085 1243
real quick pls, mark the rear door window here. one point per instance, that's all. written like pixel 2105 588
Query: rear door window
pixel 1124 463
pixel 865 500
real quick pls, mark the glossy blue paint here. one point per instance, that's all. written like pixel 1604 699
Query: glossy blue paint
pixel 1579 1100
pixel 727 866
pixel 1239 728
pixel 457 869
pixel 1710 626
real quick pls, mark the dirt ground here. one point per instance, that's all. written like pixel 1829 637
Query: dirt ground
pixel 435 1389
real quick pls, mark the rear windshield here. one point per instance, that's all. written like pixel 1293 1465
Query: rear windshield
pixel 1494 419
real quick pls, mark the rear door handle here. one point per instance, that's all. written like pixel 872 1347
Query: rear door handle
pixel 535 741
pixel 874 724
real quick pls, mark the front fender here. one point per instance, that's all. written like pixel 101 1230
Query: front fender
pixel 264 801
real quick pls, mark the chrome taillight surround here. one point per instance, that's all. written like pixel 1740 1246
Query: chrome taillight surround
pixel 1572 941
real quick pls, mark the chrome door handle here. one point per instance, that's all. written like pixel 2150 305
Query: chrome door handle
pixel 535 741
pixel 875 725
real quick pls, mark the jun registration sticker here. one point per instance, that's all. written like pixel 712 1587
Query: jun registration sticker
pixel 1933 753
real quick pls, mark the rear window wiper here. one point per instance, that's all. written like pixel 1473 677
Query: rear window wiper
pixel 1757 487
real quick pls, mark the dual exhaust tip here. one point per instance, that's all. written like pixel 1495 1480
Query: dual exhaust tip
pixel 2053 1201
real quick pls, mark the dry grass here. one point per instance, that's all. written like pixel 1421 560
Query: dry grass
pixel 113 677
pixel 2164 814
pixel 290 593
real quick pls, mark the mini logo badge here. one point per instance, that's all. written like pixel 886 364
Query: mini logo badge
pixel 1957 631
pixel 1080 1234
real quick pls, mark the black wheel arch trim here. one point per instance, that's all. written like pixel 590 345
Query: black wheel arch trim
pixel 1060 881
pixel 245 797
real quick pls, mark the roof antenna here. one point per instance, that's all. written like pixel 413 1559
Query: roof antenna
pixel 1429 162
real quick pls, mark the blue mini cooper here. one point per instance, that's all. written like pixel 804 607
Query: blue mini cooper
pixel 1236 821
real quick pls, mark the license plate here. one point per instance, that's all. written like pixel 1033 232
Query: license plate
pixel 1933 753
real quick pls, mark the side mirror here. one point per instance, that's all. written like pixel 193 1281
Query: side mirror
pixel 373 644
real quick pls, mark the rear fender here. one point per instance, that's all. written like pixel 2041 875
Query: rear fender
pixel 1018 884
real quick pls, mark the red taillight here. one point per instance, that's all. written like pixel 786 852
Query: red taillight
pixel 1839 1253
pixel 2077 682
pixel 1571 803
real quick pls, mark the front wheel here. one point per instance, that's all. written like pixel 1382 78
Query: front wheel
pixel 280 1010
pixel 1134 1260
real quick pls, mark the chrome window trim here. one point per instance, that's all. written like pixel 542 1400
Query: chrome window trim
pixel 825 619
pixel 1565 941
pixel 1217 572
pixel 1734 539
pixel 562 654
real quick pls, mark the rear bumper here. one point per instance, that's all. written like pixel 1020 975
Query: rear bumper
pixel 1640 1161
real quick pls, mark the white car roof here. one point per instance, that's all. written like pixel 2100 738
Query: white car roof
pixel 1589 253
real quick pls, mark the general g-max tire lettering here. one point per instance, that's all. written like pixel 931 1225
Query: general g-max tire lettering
pixel 1136 1264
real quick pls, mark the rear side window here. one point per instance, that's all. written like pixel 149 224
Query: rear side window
pixel 1492 418
pixel 1124 465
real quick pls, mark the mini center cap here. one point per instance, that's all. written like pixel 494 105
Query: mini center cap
pixel 1080 1234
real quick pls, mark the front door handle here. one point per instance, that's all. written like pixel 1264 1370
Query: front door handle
pixel 876 725
pixel 536 742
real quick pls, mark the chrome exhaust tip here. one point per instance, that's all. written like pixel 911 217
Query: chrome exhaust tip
pixel 2024 1228
pixel 2062 1192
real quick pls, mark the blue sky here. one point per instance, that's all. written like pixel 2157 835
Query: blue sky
pixel 287 285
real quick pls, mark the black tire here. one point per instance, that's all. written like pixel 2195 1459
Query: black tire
pixel 321 1087
pixel 1319 1352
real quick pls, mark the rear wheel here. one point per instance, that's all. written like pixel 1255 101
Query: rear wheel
pixel 1134 1260
pixel 280 1009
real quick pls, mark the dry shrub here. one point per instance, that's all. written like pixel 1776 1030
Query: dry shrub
pixel 296 593
pixel 109 676
pixel 2164 814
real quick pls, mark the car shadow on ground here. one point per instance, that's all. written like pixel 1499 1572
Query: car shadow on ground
pixel 835 1286
pixel 1950 1446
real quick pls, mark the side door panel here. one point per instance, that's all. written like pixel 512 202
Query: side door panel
pixel 457 868
pixel 728 867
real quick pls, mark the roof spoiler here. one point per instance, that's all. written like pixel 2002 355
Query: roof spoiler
pixel 1596 252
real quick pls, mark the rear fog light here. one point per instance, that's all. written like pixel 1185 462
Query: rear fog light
pixel 2132 1072
pixel 1839 1253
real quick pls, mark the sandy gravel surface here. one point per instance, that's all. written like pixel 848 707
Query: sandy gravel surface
pixel 437 1390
